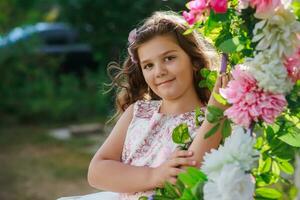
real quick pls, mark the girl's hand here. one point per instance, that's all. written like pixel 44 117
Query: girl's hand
pixel 221 82
pixel 169 170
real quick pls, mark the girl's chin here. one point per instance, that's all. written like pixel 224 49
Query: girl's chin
pixel 168 95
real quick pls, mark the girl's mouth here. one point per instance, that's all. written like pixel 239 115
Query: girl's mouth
pixel 164 82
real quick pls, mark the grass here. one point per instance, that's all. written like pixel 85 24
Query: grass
pixel 36 166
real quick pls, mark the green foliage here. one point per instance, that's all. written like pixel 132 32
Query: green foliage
pixel 275 159
pixel 189 186
pixel 226 129
pixel 267 193
pixel 32 90
pixel 231 45
pixel 198 113
pixel 212 131
pixel 230 32
pixel 210 78
pixel 216 116
pixel 181 135
pixel 219 98
pixel 106 24
pixel 296 8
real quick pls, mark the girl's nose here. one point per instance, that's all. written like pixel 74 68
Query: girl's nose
pixel 160 70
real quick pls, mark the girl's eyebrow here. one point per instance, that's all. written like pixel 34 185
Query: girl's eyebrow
pixel 162 54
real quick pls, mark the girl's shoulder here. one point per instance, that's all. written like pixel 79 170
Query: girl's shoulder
pixel 145 108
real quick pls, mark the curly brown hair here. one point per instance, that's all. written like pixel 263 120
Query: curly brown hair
pixel 129 81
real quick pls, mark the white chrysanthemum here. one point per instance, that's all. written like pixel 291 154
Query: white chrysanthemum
pixel 241 147
pixel 278 33
pixel 214 162
pixel 286 3
pixel 237 149
pixel 243 4
pixel 269 72
pixel 231 184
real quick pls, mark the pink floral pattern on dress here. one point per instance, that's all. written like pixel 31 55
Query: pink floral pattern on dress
pixel 149 138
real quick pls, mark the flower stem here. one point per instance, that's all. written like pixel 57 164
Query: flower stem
pixel 251 128
pixel 224 63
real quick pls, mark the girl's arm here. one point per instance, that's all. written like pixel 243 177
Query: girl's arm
pixel 200 145
pixel 107 172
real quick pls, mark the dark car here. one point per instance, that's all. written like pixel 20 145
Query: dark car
pixel 52 39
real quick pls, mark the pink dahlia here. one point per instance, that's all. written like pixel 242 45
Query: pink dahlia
pixel 191 17
pixel 249 102
pixel 219 6
pixel 292 65
pixel 197 5
pixel 265 8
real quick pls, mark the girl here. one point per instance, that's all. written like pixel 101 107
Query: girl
pixel 159 90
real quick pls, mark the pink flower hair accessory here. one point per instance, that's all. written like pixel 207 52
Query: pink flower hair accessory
pixel 131 40
pixel 132 36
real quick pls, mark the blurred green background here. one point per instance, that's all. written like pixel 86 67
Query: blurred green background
pixel 54 79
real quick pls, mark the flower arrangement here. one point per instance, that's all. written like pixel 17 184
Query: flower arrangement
pixel 260 43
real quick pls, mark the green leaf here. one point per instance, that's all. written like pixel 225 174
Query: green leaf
pixel 198 113
pixel 143 198
pixel 180 186
pixel 197 190
pixel 212 131
pixel 229 46
pixel 187 195
pixel 269 134
pixel 219 98
pixel 275 168
pixel 286 167
pixel 170 190
pixel 159 197
pixel 259 143
pixel 267 178
pixel 189 31
pixel 202 84
pixel 181 134
pixel 265 165
pixel 214 114
pixel 196 173
pixel 212 77
pixel 215 111
pixel 268 193
pixel 211 118
pixel 226 129
pixel 291 139
pixel 296 8
pixel 204 72
pixel 187 180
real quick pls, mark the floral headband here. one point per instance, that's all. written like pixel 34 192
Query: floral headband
pixel 131 39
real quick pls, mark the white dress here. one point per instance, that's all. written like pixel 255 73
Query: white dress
pixel 148 143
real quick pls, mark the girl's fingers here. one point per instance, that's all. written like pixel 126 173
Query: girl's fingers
pixel 218 84
pixel 176 171
pixel 225 78
pixel 181 153
pixel 182 162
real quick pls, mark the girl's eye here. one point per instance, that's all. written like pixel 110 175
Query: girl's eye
pixel 147 66
pixel 168 58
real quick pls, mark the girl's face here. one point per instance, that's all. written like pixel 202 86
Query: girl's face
pixel 166 67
